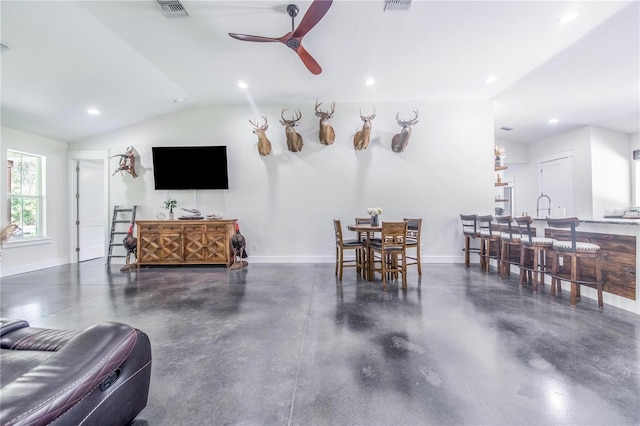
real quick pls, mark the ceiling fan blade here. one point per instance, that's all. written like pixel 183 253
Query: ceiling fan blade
pixel 246 37
pixel 308 60
pixel 314 14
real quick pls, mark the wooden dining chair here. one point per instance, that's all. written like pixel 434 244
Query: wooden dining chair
pixel 342 245
pixel 414 228
pixel 388 256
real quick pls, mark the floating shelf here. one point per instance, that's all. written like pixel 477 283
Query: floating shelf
pixel 498 168
pixel 501 184
pixel 501 201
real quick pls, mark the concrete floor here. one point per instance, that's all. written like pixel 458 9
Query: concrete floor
pixel 287 344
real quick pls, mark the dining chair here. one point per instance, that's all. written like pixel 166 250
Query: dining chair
pixel 342 245
pixel 390 253
pixel 414 228
pixel 565 243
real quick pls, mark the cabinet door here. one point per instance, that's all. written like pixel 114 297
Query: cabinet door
pixel 216 247
pixel 149 249
pixel 217 243
pixel 149 243
pixel 194 246
pixel 171 247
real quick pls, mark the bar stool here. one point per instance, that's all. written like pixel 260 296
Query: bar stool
pixel 487 236
pixel 538 247
pixel 414 229
pixel 342 245
pixel 509 237
pixel 470 231
pixel 576 250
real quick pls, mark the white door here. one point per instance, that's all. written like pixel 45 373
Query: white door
pixel 91 211
pixel 556 181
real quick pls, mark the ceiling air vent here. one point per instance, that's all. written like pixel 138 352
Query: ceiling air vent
pixel 173 9
pixel 397 4
pixel 4 47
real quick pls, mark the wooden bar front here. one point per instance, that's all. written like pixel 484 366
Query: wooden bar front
pixel 176 242
pixel 618 260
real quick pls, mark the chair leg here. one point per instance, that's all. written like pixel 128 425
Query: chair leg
pixel 418 257
pixel 574 284
pixel 599 281
pixel 535 269
pixel 337 258
pixel 467 246
pixel 554 271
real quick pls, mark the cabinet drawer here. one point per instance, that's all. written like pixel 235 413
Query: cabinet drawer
pixel 171 228
pixel 216 228
pixel 194 228
pixel 150 228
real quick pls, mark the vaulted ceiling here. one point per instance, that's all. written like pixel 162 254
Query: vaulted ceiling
pixel 130 61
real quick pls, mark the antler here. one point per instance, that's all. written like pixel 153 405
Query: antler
pixel 370 117
pixel 293 121
pixel 265 126
pixel 319 112
pixel 410 122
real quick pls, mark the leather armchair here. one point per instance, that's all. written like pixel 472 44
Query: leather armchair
pixel 98 376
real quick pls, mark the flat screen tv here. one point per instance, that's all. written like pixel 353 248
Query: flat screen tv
pixel 190 167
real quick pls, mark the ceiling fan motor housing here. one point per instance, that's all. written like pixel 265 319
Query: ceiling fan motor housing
pixel 292 10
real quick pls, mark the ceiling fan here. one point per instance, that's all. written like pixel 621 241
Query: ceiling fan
pixel 293 39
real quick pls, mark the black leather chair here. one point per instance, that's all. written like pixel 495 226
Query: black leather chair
pixel 98 376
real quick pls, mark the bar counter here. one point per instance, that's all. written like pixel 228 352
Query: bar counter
pixel 618 240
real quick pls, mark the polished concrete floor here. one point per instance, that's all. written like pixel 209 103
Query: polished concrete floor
pixel 287 344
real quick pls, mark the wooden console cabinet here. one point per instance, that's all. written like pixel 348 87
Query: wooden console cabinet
pixel 171 242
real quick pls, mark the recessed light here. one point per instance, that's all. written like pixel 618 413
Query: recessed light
pixel 568 18
pixel 93 111
pixel 491 79
pixel 242 85
pixel 178 100
pixel 553 121
pixel 370 82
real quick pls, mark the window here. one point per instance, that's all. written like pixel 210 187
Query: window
pixel 24 178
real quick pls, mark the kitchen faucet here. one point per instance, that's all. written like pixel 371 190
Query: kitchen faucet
pixel 548 209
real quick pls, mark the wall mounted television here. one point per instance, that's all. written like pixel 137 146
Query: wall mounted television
pixel 190 167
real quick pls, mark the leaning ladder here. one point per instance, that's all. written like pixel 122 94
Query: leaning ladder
pixel 116 229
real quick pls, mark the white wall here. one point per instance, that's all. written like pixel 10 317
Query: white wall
pixel 53 250
pixel 634 144
pixel 285 202
pixel 611 171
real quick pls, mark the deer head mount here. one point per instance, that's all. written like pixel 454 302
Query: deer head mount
pixel 264 145
pixel 401 140
pixel 326 134
pixel 294 140
pixel 127 162
pixel 361 138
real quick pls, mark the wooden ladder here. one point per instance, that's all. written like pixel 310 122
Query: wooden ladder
pixel 116 229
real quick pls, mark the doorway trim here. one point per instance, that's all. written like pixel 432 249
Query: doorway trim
pixel 72 158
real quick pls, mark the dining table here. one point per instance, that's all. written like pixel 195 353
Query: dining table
pixel 368 230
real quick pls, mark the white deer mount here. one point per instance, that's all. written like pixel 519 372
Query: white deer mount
pixel 361 138
pixel 401 140
pixel 326 134
pixel 264 145
pixel 294 140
